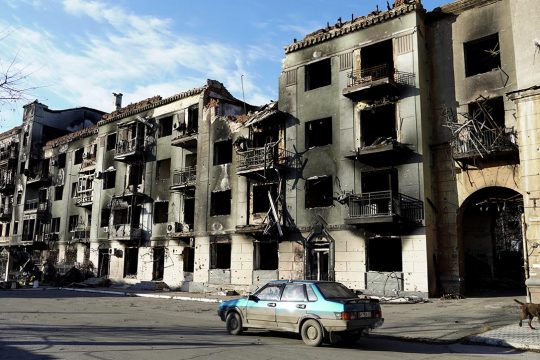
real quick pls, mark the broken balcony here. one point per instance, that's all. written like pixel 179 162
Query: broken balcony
pixel 124 232
pixel 7 181
pixel 9 154
pixel 6 212
pixel 38 176
pixel 376 81
pixel 486 144
pixel 129 149
pixel 85 190
pixel 184 178
pixel 384 207
pixel 185 137
pixel 254 161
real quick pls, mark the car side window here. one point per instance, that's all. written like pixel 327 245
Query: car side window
pixel 270 293
pixel 311 294
pixel 294 292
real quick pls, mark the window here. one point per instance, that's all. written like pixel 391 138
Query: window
pixel 220 203
pixel 23 165
pixel 61 161
pixel 55 225
pixel 482 55
pixel 78 156
pixel 105 216
pixel 7 229
pixel 294 292
pixel 269 293
pixel 111 142
pixel 378 124
pixel 73 221
pixel 261 202
pixel 318 74
pixel 311 294
pixel 318 132
pixel 15 228
pixel 494 107
pixel 265 255
pixel 163 169
pixel 109 179
pixel 165 126
pixel 189 211
pixel 319 192
pixel 131 261
pixel 161 212
pixel 220 254
pixel 74 189
pixel 222 152
pixel 384 254
pixel 193 119
pixel 58 192
pixel 188 256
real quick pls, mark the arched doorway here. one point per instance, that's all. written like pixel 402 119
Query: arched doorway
pixel 492 242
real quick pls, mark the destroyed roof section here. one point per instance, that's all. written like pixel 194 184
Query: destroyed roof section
pixel 9 133
pixel 460 6
pixel 92 130
pixel 264 112
pixel 400 8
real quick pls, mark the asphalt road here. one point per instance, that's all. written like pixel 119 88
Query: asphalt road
pixel 56 324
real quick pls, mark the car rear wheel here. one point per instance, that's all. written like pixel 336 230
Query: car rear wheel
pixel 311 333
pixel 233 322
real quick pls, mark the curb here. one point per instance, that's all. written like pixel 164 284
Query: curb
pixel 155 296
pixel 502 343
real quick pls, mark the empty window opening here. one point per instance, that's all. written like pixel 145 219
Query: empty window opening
pixel 192 125
pixel 135 175
pixel 384 254
pixel 73 222
pixel 165 126
pixel 190 160
pixel 120 216
pixel 378 125
pixel 189 211
pixel 61 160
pixel 318 74
pixel 74 189
pixel 319 192
pixel 482 55
pixel 58 192
pixel 163 171
pixel 43 195
pixel 109 179
pixel 28 230
pixel 489 112
pixel 131 261
pixel 265 255
pixel 188 257
pixel 78 156
pixel 105 216
pixel 220 203
pixel 265 135
pixel 161 212
pixel 220 254
pixel 222 152
pixel 111 142
pixel 318 132
pixel 383 180
pixel 55 225
pixel 15 228
pixel 22 167
pixel 377 60
pixel 158 263
pixel 261 202
pixel 7 228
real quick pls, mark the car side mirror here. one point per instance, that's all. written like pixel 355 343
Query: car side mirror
pixel 253 298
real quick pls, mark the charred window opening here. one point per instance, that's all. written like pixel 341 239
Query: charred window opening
pixel 220 254
pixel 384 254
pixel 131 261
pixel 490 111
pixel 188 257
pixel 318 74
pixel 135 175
pixel 120 216
pixel 378 125
pixel 222 152
pixel 383 180
pixel 74 189
pixel 318 132
pixel 28 230
pixel 15 228
pixel 7 228
pixel 161 212
pixel 264 135
pixel 378 57
pixel 319 192
pixel 165 126
pixel 193 119
pixel 191 160
pixel 189 211
pixel 43 195
pixel 261 202
pixel 58 192
pixel 105 216
pixel 265 255
pixel 23 165
pixel 482 55
pixel 158 263
pixel 55 225
pixel 78 156
pixel 73 222
pixel 109 179
pixel 111 142
pixel 61 161
pixel 163 170
pixel 220 203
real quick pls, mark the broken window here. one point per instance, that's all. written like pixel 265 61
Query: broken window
pixel 220 203
pixel 55 225
pixel 131 261
pixel 482 55
pixel 222 152
pixel 7 228
pixel 61 161
pixel 120 216
pixel 319 192
pixel 265 255
pixel 377 61
pixel 74 189
pixel 163 169
pixel 188 257
pixel 109 179
pixel 318 132
pixel 161 212
pixel 105 216
pixel 384 254
pixel 58 192
pixel 220 253
pixel 78 156
pixel 193 119
pixel 135 175
pixel 158 263
pixel 265 135
pixel 28 230
pixel 23 165
pixel 261 202
pixel 165 126
pixel 111 142
pixel 15 228
pixel 490 112
pixel 382 180
pixel 318 74
pixel 378 125
pixel 189 211
pixel 73 222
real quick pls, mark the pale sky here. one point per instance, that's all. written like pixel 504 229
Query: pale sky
pixel 78 52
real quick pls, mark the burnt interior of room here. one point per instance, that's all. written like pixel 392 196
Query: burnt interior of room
pixel 49 133
pixel 188 258
pixel 382 180
pixel 377 55
pixel 158 263
pixel 488 112
pixel 165 126
pixel 318 132
pixel 482 55
pixel 161 212
pixel 109 179
pixel 377 125
pixel 190 160
pixel 28 229
pixel 220 254
pixel 265 255
pixel 189 211
pixel 261 202
pixel 135 175
pixel 163 169
pixel 111 142
pixel 222 152
pixel 384 254
pixel 318 74
pixel 262 135
pixel 192 125
pixel 131 261
pixel 319 192
pixel 105 217
pixel 220 203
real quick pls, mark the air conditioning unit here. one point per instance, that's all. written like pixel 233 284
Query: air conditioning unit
pixel 98 175
pixel 173 227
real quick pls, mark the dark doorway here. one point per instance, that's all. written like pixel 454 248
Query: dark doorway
pixel 159 263
pixel 103 262
pixel 131 261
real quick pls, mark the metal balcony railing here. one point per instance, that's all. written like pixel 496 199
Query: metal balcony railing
pixel 124 231
pixel 385 203
pixel 84 199
pixel 185 177
pixel 128 146
pixel 484 142
pixel 8 155
pixel 384 71
pixel 267 157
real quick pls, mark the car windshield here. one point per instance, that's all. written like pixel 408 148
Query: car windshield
pixel 332 290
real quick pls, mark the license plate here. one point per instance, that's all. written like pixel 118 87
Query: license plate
pixel 363 314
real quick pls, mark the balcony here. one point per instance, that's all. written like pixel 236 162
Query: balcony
pixel 253 161
pixel 81 233
pixel 383 152
pixel 187 139
pixel 185 178
pixel 7 182
pixel 384 207
pixel 375 82
pixel 124 232
pixel 9 155
pixel 6 212
pixel 84 199
pixel 36 206
pixel 487 144
pixel 129 149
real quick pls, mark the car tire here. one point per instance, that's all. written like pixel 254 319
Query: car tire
pixel 233 322
pixel 312 333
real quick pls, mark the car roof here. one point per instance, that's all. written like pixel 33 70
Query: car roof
pixel 300 282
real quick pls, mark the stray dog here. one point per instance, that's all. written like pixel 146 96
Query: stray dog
pixel 528 310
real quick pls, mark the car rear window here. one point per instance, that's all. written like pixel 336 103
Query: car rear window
pixel 335 291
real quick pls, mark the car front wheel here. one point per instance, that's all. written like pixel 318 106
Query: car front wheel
pixel 312 333
pixel 233 322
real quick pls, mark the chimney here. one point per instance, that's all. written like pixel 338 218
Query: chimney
pixel 117 100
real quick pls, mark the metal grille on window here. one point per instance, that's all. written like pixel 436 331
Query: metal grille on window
pixel 290 77
pixel 345 61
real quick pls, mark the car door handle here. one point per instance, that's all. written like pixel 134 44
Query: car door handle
pixel 301 306
pixel 271 305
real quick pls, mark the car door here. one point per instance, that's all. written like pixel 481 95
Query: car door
pixel 261 310
pixel 292 306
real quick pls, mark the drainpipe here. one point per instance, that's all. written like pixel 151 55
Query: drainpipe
pixel 525 253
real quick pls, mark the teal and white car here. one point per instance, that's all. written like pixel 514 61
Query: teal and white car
pixel 318 310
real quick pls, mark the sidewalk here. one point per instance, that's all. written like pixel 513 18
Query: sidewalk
pixel 489 320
